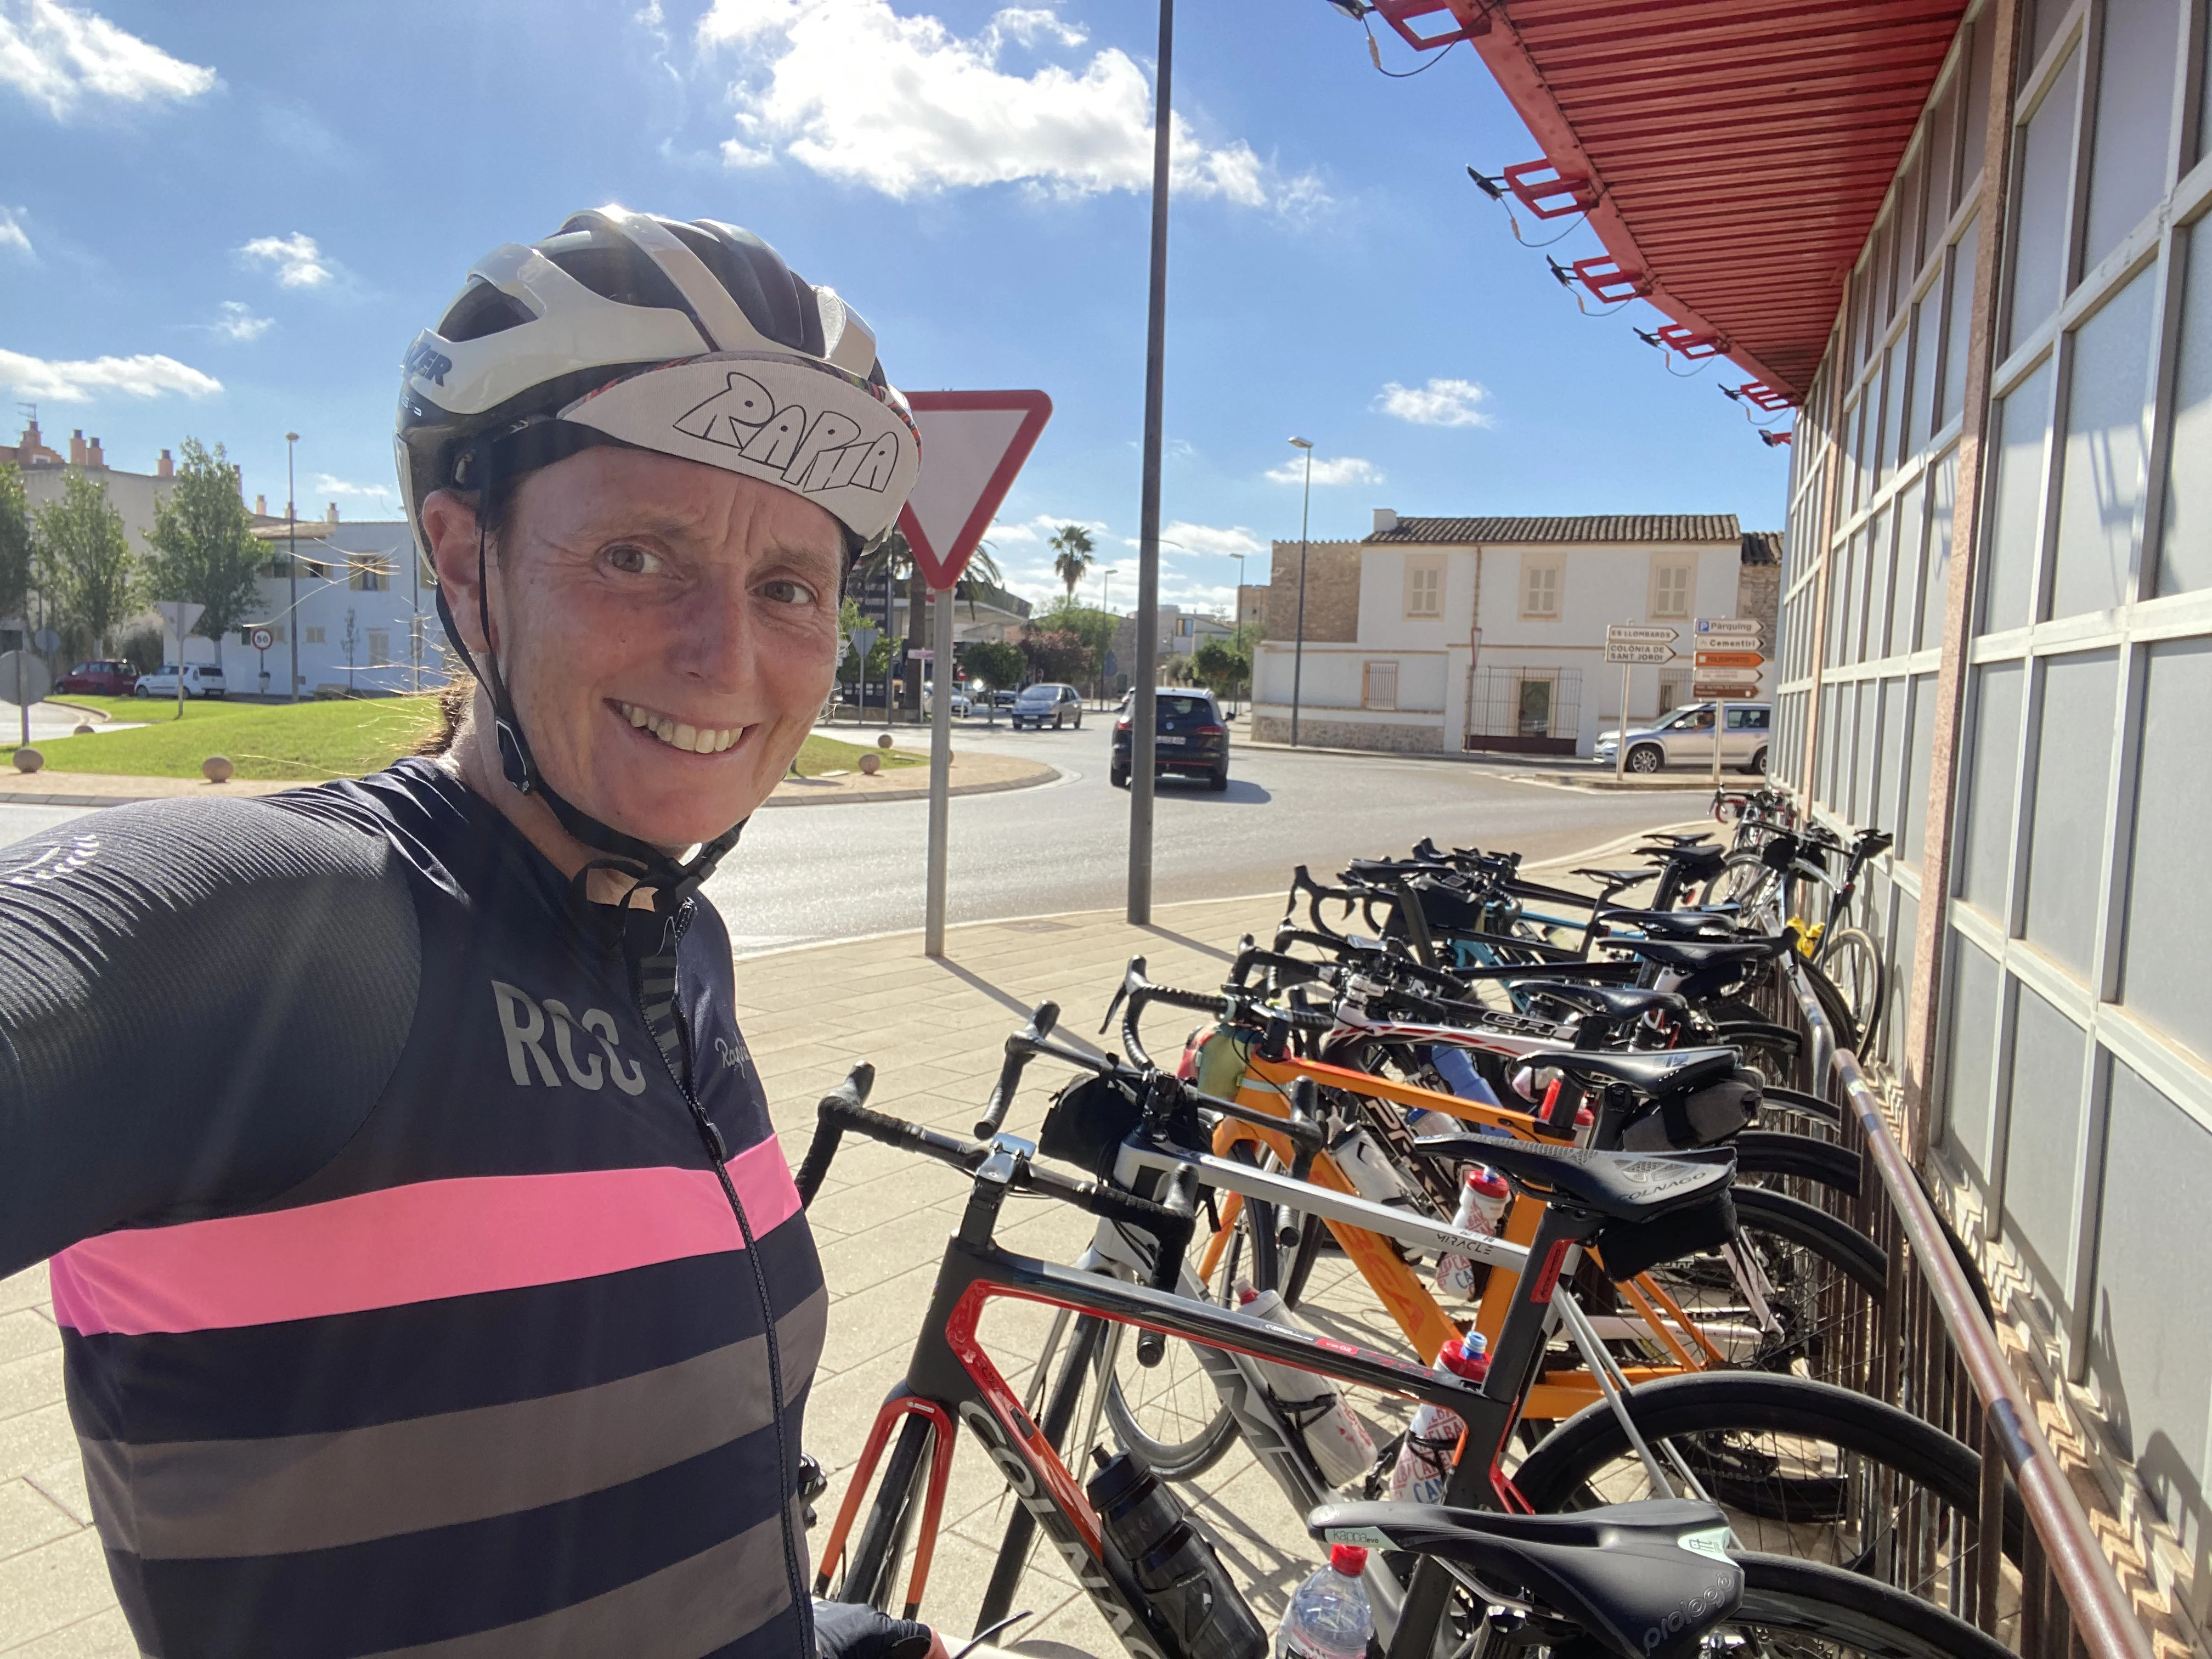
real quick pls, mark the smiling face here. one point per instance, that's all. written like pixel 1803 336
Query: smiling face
pixel 668 632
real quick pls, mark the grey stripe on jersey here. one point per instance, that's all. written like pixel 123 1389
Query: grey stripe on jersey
pixel 194 1499
pixel 692 1607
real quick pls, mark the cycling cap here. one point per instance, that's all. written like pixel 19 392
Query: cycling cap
pixel 692 340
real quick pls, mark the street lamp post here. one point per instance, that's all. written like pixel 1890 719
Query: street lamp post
pixel 292 564
pixel 1298 649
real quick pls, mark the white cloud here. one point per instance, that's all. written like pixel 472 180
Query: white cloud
pixel 1209 538
pixel 238 322
pixel 1041 529
pixel 901 104
pixel 12 234
pixel 297 261
pixel 1440 403
pixel 59 56
pixel 325 484
pixel 145 376
pixel 1336 470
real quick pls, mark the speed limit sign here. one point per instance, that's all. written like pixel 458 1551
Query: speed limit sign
pixel 261 639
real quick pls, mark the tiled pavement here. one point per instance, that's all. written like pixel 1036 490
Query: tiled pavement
pixel 935 1032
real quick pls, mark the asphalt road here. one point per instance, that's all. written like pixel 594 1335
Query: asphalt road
pixel 808 874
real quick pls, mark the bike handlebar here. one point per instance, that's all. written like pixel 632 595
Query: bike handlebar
pixel 1021 1049
pixel 845 1098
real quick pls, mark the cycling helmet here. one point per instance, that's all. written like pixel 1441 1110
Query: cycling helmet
pixel 692 340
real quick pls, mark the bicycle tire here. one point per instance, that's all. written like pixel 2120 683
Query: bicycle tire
pixel 1848 1614
pixel 1842 1023
pixel 1789 1457
pixel 1253 1252
pixel 1851 961
pixel 1798 1157
pixel 871 1567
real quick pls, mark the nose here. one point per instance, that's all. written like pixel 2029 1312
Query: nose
pixel 718 643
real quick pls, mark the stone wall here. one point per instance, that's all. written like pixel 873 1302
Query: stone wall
pixel 1332 593
pixel 1348 734
pixel 1758 593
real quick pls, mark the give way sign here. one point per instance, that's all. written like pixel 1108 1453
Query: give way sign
pixel 973 444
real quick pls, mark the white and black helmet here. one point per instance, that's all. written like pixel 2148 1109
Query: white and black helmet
pixel 693 340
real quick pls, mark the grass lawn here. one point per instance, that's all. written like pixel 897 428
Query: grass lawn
pixel 303 742
pixel 154 708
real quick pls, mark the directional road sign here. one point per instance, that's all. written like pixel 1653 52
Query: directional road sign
pixel 1728 659
pixel 1637 634
pixel 1728 627
pixel 973 444
pixel 1736 679
pixel 1633 650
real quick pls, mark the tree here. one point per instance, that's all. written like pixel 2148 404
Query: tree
pixel 14 543
pixel 203 551
pixel 1072 545
pixel 1222 665
pixel 893 558
pixel 85 565
pixel 1057 654
pixel 998 663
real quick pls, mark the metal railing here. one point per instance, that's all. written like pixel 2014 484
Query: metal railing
pixel 1927 1345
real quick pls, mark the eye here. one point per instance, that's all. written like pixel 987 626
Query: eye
pixel 633 561
pixel 787 590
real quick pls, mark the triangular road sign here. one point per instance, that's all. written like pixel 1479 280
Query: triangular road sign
pixel 973 444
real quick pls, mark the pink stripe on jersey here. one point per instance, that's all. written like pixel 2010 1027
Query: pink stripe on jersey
pixel 420 1243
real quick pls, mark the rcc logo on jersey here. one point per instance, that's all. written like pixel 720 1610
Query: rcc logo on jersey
pixel 528 1030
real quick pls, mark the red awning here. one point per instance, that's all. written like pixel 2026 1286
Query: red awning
pixel 1742 147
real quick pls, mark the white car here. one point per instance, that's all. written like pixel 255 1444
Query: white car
pixel 1062 705
pixel 201 680
pixel 962 708
pixel 1684 737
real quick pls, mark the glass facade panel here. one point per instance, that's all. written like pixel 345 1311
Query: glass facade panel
pixel 1892 418
pixel 2073 778
pixel 1943 138
pixel 2101 481
pixel 2016 503
pixel 1912 814
pixel 1904 585
pixel 1986 845
pixel 1976 985
pixel 2046 161
pixel 1862 808
pixel 1881 810
pixel 2184 554
pixel 2166 973
pixel 1927 352
pixel 1958 321
pixel 1935 590
pixel 2135 118
pixel 2043 1138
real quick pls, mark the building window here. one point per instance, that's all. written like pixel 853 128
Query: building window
pixel 1379 686
pixel 311 635
pixel 1425 588
pixel 1534 710
pixel 1670 590
pixel 1670 695
pixel 370 575
pixel 380 648
pixel 1540 589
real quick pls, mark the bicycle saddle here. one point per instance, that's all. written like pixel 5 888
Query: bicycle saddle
pixel 1671 924
pixel 1696 863
pixel 1691 955
pixel 1618 878
pixel 1612 1002
pixel 1646 1581
pixel 1691 840
pixel 1647 1070
pixel 1620 1185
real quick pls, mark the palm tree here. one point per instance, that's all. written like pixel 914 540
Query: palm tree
pixel 1073 546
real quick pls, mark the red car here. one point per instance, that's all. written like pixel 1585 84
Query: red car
pixel 100 679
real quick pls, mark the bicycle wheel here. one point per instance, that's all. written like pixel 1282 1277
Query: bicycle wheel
pixel 1804 1468
pixel 1851 962
pixel 871 1573
pixel 1169 1414
pixel 1742 880
pixel 1801 1608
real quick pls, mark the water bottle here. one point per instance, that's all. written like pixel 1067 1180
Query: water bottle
pixel 1458 1072
pixel 1368 1167
pixel 1483 1196
pixel 1342 1449
pixel 1424 1461
pixel 1329 1618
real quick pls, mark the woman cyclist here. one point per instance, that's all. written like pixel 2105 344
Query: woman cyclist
pixel 430 1280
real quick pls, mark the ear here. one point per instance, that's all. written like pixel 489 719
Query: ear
pixel 450 524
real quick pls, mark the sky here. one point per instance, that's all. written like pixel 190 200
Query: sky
pixel 230 220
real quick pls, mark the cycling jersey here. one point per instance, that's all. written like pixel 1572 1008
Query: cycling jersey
pixel 402 1310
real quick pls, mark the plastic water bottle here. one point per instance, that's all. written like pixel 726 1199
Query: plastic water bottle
pixel 1458 1072
pixel 1329 1618
pixel 1424 1462
pixel 1368 1167
pixel 1483 1196
pixel 1342 1449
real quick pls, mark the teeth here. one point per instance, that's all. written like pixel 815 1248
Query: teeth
pixel 692 739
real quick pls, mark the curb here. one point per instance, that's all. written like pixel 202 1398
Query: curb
pixel 1558 778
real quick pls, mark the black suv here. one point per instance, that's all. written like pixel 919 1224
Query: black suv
pixel 1189 736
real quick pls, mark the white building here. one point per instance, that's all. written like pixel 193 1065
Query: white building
pixel 1445 634
pixel 364 610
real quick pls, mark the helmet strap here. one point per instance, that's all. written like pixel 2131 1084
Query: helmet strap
pixel 672 884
